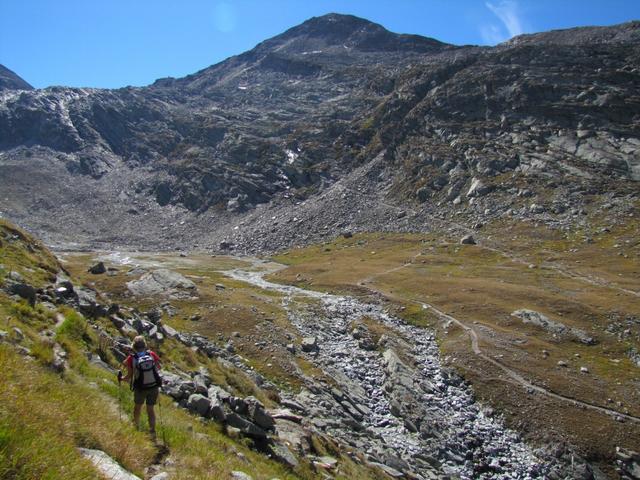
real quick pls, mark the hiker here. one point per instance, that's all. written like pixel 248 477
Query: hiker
pixel 142 373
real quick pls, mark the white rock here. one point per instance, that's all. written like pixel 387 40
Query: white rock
pixel 240 475
pixel 477 189
pixel 161 282
pixel 107 465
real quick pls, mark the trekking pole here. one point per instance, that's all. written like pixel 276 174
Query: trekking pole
pixel 161 426
pixel 120 394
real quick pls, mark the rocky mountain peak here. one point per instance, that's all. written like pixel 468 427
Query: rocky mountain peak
pixel 334 23
pixel 10 81
pixel 346 33
pixel 319 44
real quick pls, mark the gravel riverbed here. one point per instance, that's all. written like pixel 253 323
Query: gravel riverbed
pixel 395 400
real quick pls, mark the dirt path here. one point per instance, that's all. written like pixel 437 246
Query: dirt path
pixel 362 372
pixel 496 248
pixel 519 379
pixel 516 376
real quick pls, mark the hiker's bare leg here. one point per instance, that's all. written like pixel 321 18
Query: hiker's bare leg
pixel 152 418
pixel 136 415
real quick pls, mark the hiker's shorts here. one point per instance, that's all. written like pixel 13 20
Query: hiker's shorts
pixel 149 395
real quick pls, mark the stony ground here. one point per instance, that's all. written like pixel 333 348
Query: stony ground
pixel 472 295
pixel 412 415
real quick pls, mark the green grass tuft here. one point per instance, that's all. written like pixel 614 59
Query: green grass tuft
pixel 74 327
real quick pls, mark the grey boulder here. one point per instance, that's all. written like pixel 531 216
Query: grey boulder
pixel 97 269
pixel 199 404
pixel 216 410
pixel 245 426
pixel 24 290
pixel 258 414
pixel 468 240
pixel 162 282
pixel 309 344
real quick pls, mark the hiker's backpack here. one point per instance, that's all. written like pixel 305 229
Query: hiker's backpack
pixel 145 372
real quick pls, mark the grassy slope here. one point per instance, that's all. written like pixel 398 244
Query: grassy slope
pixel 245 314
pixel 482 287
pixel 45 415
pixel 19 252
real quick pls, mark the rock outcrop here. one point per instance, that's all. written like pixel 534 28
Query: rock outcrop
pixel 162 282
pixel 107 466
pixel 555 328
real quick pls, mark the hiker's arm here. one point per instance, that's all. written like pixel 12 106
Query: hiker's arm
pixel 129 371
pixel 156 359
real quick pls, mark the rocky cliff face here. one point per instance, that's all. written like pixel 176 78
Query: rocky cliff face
pixel 441 128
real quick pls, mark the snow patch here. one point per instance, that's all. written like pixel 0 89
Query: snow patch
pixel 291 156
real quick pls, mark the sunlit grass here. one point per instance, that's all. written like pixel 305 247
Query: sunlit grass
pixel 45 415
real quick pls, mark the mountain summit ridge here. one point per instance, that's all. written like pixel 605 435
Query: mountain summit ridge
pixel 317 43
pixel 622 32
pixel 337 27
pixel 349 31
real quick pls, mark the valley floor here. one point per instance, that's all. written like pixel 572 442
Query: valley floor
pixel 403 356
pixel 567 381
pixel 572 377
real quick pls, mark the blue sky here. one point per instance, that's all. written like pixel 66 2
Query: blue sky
pixel 114 43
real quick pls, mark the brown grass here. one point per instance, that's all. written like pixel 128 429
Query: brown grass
pixel 245 314
pixel 482 288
